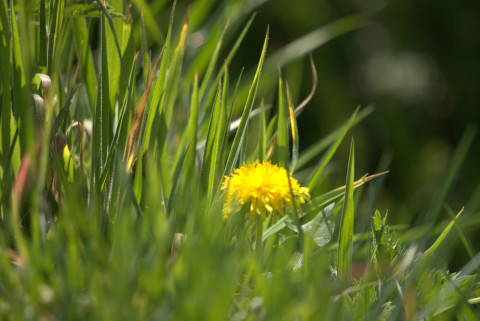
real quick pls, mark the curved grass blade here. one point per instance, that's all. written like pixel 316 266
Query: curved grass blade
pixel 306 44
pixel 433 249
pixel 463 235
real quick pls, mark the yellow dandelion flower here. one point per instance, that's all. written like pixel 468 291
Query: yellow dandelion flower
pixel 264 187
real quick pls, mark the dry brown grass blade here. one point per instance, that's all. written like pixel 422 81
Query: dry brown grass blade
pixel 307 99
pixel 362 180
pixel 133 135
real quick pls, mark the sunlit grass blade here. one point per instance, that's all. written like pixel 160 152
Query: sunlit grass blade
pixel 440 241
pixel 282 140
pixel 222 132
pixel 212 62
pixel 467 243
pixel 331 151
pixel 158 95
pixel 239 136
pixel 173 75
pixel 294 131
pixel 190 134
pixel 262 138
pixel 345 242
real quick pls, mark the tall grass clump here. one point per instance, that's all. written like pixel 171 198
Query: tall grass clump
pixel 142 180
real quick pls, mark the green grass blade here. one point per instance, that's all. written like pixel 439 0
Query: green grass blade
pixel 158 96
pixel 210 153
pixel 42 40
pixel 174 194
pixel 85 58
pixel 457 161
pixel 311 152
pixel 294 131
pixel 55 26
pixel 222 132
pixel 173 76
pixel 282 141
pixel 463 235
pixel 117 44
pixel 20 69
pixel 440 241
pixel 239 137
pixel 345 243
pixel 331 151
pixel 190 134
pixel 114 57
pixel 101 120
pixel 230 56
pixel 5 90
pixel 262 138
pixel 121 130
pixel 150 20
pixel 213 61
pixel 138 180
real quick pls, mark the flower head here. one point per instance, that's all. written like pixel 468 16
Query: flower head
pixel 262 186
